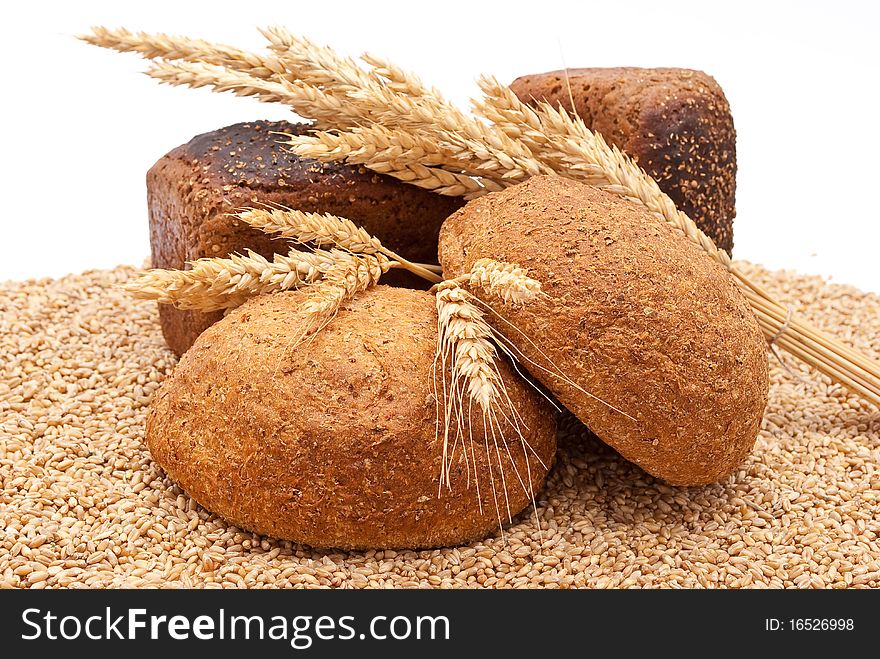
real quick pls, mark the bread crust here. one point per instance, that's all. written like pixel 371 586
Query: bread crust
pixel 675 123
pixel 635 314
pixel 191 190
pixel 334 443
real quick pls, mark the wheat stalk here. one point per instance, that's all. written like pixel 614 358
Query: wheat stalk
pixel 518 143
pixel 220 283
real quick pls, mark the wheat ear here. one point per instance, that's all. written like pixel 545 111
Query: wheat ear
pixel 335 92
pixel 559 150
pixel 170 47
pixel 458 144
pixel 336 275
pixel 406 156
pixel 507 281
pixel 195 75
pixel 322 108
pixel 394 106
pixel 339 285
pixel 463 328
pixel 220 283
pixel 327 229
pixel 464 345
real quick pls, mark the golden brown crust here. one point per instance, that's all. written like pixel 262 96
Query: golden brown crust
pixel 191 190
pixel 676 123
pixel 333 443
pixel 635 314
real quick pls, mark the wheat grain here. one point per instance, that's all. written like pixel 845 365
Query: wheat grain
pixel 82 361
pixel 399 80
pixel 220 283
pixel 316 65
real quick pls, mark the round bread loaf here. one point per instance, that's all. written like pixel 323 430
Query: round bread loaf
pixel 634 314
pixel 334 442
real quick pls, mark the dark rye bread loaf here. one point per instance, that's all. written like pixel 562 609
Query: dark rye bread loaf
pixel 192 189
pixel 675 123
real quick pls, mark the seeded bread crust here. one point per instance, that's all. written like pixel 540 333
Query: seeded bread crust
pixel 675 123
pixel 334 443
pixel 633 313
pixel 191 190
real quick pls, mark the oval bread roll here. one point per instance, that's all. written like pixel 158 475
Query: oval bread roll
pixel 334 442
pixel 635 315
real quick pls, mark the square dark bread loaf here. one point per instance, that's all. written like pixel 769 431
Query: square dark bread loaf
pixel 192 189
pixel 675 123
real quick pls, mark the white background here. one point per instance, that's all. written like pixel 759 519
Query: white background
pixel 81 126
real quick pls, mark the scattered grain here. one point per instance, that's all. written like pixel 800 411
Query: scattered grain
pixel 83 505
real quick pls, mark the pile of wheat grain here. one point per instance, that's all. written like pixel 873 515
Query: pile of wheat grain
pixel 82 503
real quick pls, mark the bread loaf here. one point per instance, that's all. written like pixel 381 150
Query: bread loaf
pixel 675 123
pixel 191 190
pixel 642 335
pixel 334 442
